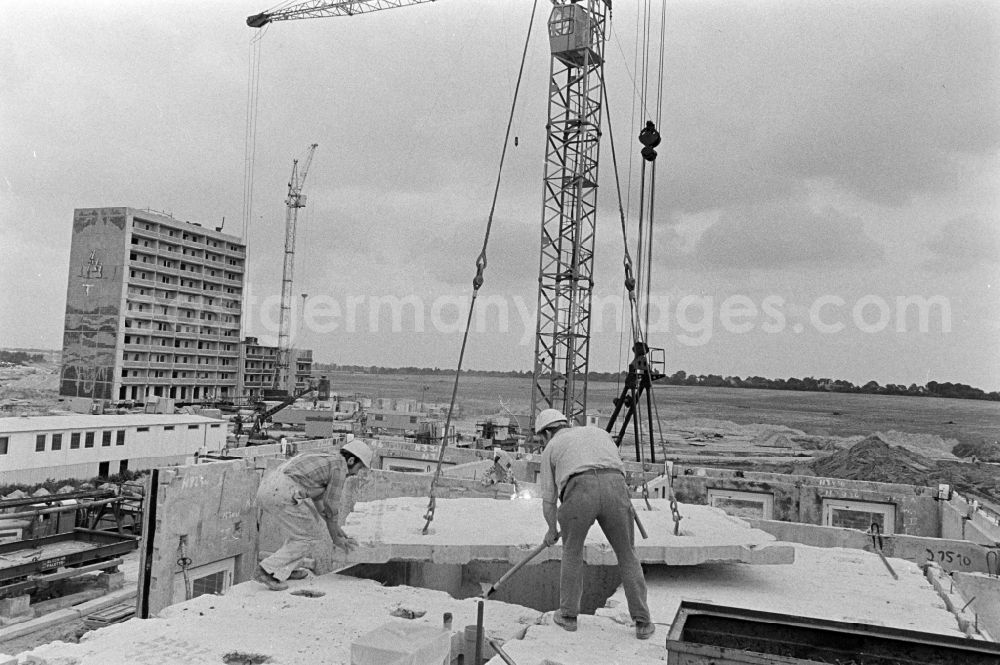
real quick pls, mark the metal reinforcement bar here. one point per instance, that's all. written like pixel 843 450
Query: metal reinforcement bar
pixel 63 509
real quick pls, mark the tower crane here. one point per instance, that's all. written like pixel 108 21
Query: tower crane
pixel 283 378
pixel 569 211
pixel 322 8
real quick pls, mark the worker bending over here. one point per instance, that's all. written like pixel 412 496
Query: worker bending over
pixel 581 469
pixel 302 494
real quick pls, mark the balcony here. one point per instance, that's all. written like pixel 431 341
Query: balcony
pixel 139 230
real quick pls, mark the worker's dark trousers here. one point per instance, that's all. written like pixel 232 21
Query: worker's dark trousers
pixel 602 497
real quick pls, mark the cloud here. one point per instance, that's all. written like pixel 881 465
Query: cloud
pixel 962 243
pixel 874 98
pixel 779 235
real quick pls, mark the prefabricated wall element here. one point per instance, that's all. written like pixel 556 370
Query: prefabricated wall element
pixel 961 519
pixel 908 509
pixel 201 532
pixel 983 592
pixel 951 555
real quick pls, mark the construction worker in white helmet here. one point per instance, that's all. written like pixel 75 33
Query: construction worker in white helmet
pixel 303 495
pixel 582 473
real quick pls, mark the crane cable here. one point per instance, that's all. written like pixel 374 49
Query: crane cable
pixel 630 284
pixel 630 280
pixel 477 281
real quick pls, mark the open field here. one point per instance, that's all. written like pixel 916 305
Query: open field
pixel 821 414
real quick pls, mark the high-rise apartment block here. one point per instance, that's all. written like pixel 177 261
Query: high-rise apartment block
pixel 153 308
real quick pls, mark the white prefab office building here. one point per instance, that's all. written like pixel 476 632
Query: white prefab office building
pixel 36 448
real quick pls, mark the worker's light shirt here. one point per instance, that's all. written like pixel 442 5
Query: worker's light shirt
pixel 574 450
pixel 320 475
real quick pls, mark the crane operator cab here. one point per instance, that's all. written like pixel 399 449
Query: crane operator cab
pixel 572 35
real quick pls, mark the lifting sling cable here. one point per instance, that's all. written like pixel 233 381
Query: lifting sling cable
pixel 249 158
pixel 630 283
pixel 659 117
pixel 477 281
pixel 629 276
pixel 649 379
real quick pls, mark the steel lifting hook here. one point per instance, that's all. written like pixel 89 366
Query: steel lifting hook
pixel 876 532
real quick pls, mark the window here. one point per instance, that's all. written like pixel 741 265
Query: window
pixel 40 443
pixel 74 440
pixel 216 425
pixel 853 514
pixel 168 428
pixel 88 440
pixel 106 438
pixel 57 442
pixel 141 429
pixel 192 427
pixel 4 442
pixel 211 578
pixel 751 505
pixel 120 439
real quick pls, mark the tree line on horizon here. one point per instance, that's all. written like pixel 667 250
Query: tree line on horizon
pixel 682 378
pixel 20 357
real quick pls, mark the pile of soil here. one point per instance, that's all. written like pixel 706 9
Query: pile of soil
pixel 875 460
pixel 985 451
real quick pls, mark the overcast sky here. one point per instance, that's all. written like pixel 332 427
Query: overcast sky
pixel 828 171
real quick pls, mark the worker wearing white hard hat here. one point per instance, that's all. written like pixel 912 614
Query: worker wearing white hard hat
pixel 582 473
pixel 303 495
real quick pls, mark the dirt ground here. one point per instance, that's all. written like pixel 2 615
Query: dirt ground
pixel 29 389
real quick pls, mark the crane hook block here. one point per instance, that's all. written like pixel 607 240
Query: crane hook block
pixel 258 20
pixel 649 137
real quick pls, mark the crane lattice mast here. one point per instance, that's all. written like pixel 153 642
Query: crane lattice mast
pixel 283 378
pixel 569 207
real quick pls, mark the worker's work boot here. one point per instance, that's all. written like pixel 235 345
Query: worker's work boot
pixel 643 630
pixel 268 580
pixel 567 623
pixel 298 574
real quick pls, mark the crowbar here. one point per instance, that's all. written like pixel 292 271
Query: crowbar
pixel 531 555
pixel 875 531
pixel 638 524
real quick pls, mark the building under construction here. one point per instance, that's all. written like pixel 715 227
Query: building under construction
pixel 742 567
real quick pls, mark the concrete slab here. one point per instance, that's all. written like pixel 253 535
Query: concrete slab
pixel 836 584
pixel 467 530
pixel 290 629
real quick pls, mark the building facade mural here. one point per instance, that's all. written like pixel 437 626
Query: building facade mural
pixel 93 302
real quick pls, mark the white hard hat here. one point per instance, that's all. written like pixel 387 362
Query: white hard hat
pixel 359 449
pixel 548 418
